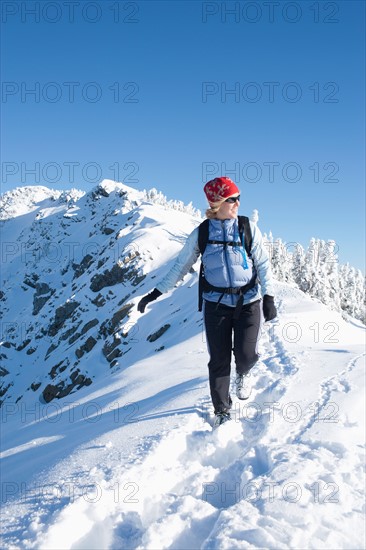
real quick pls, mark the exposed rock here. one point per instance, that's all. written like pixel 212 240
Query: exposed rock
pixel 80 268
pixel 85 329
pixel 23 344
pixel 89 325
pixel 51 391
pixel 76 335
pixel 110 350
pixel 86 347
pixel 43 288
pixel 31 280
pixel 101 191
pixel 117 352
pixel 56 369
pixel 4 389
pixel 35 386
pixel 155 335
pixel 99 301
pixel 101 262
pixel 62 389
pixel 62 313
pixel 65 335
pixel 107 230
pixel 50 350
pixel 138 279
pixel 124 300
pixel 109 326
pixel 118 274
pixel 31 350
pixel 3 372
pixel 42 295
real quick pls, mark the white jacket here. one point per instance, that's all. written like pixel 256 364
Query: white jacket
pixel 224 266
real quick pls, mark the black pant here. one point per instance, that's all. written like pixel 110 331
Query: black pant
pixel 220 325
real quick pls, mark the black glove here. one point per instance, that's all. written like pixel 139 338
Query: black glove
pixel 147 299
pixel 269 309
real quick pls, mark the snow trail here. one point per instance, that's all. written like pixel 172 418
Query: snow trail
pixel 131 461
pixel 283 474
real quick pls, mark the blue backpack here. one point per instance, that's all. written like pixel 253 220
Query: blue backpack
pixel 246 239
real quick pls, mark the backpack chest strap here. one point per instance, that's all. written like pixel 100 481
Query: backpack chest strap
pixel 225 243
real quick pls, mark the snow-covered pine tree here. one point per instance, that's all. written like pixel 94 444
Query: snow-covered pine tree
pixel 254 217
pixel 298 262
pixel 360 296
pixel 317 272
pixel 331 272
pixel 281 261
pixel 158 198
pixel 348 292
pixel 268 244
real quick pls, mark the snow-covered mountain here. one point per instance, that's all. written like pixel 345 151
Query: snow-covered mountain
pixel 106 434
pixel 72 264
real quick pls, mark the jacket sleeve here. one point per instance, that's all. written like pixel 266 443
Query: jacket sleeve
pixel 261 262
pixel 183 263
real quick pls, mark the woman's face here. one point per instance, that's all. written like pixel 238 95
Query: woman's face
pixel 228 210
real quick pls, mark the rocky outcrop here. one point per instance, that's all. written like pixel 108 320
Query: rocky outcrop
pixel 155 335
pixel 77 266
pixel 84 330
pixel 111 350
pixel 99 301
pixel 62 314
pixel 58 368
pixel 41 296
pixel 109 327
pixel 86 347
pixel 80 268
pixel 117 275
pixel 62 389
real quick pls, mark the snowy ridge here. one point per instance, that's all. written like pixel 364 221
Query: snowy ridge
pixel 23 200
pixel 72 263
pixel 130 460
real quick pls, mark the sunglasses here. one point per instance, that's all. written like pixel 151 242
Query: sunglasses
pixel 233 199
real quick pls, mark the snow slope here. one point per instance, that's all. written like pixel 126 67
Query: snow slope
pixel 71 265
pixel 131 460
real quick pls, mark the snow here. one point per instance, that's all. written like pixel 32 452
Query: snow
pixel 132 461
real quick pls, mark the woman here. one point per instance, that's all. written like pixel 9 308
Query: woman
pixel 230 271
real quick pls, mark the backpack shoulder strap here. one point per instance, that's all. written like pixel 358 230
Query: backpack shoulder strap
pixel 203 231
pixel 244 228
pixel 203 235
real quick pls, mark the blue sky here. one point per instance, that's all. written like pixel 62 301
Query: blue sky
pixel 170 94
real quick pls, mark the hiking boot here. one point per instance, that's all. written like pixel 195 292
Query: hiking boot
pixel 221 418
pixel 243 387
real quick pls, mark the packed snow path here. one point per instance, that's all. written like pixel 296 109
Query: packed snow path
pixel 142 468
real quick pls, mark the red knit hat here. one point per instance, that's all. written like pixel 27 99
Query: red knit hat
pixel 220 188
